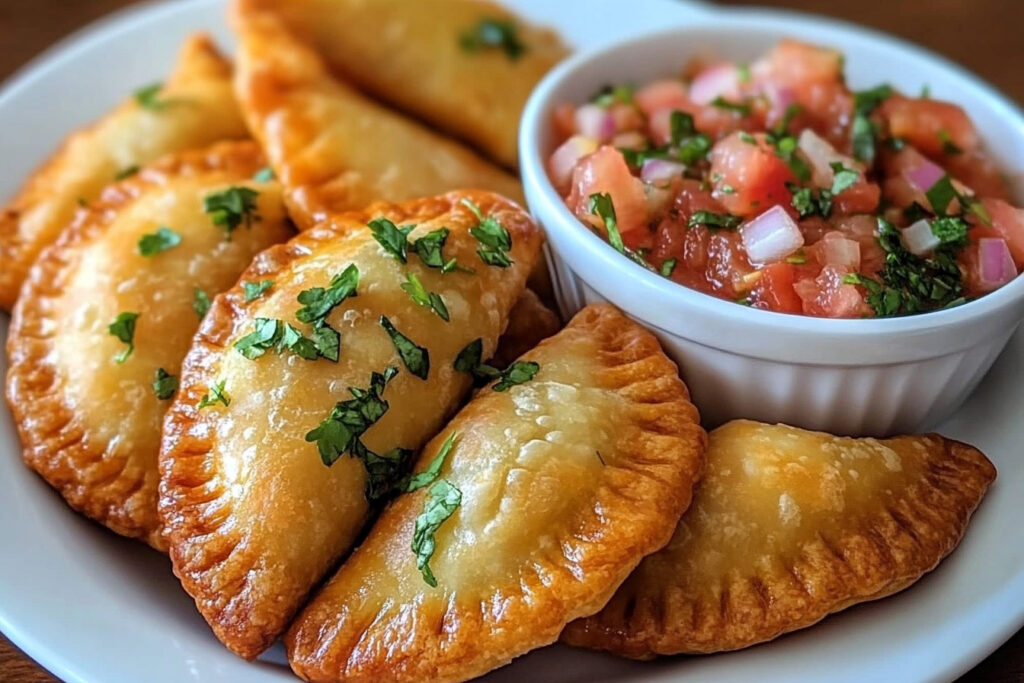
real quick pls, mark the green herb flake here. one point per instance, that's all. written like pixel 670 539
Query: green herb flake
pixel 394 239
pixel 433 471
pixel 123 328
pixel 340 432
pixel 613 94
pixel 232 207
pixel 254 290
pixel 743 73
pixel 601 206
pixel 148 97
pixel 317 302
pixel 443 499
pixel 515 374
pixel 415 357
pixel 470 360
pixel 714 221
pixel 948 146
pixel 413 286
pixel 950 230
pixel 154 243
pixel 264 175
pixel 941 194
pixel 215 394
pixel 748 138
pixel 740 108
pixel 495 240
pixel 126 172
pixel 668 267
pixel 430 249
pixel 164 384
pixel 797 259
pixel 843 178
pixel 496 34
pixel 200 302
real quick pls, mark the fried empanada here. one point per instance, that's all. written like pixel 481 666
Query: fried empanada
pixel 530 508
pixel 465 66
pixel 529 323
pixel 89 424
pixel 787 527
pixel 254 516
pixel 334 149
pixel 193 109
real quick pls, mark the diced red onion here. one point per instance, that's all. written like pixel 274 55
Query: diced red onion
pixel 660 170
pixel 721 80
pixel 563 160
pixel 631 139
pixel 839 251
pixel 595 122
pixel 771 237
pixel 995 264
pixel 924 176
pixel 919 239
pixel 820 154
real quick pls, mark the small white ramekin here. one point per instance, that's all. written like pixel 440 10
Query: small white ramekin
pixel 859 377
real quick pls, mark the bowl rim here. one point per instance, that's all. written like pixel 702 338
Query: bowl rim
pixel 677 297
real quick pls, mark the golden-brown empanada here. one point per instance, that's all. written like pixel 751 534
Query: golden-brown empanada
pixel 193 109
pixel 529 323
pixel 787 527
pixel 254 517
pixel 334 149
pixel 550 493
pixel 90 425
pixel 428 59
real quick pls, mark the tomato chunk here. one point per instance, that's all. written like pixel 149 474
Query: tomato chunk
pixel 606 171
pixel 748 176
pixel 774 290
pixel 929 125
pixel 1008 223
pixel 828 296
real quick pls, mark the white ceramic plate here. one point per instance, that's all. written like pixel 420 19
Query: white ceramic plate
pixel 93 607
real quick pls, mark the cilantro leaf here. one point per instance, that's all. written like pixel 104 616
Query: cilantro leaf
pixel 714 221
pixel 866 101
pixel 689 145
pixel 384 473
pixel 469 360
pixel 950 230
pixel 126 172
pixel 148 97
pixel 413 286
pixel 200 302
pixel 264 175
pixel 232 207
pixel 443 499
pixel 948 146
pixel 807 204
pixel 214 395
pixel 611 94
pixel 339 433
pixel 740 108
pixel 843 178
pixel 415 357
pixel 123 328
pixel 492 33
pixel 394 238
pixel 430 250
pixel 863 132
pixel 317 302
pixel 668 267
pixel 492 235
pixel 327 342
pixel 164 384
pixel 254 290
pixel 601 206
pixel 433 471
pixel 278 336
pixel 517 373
pixel 941 194
pixel 163 239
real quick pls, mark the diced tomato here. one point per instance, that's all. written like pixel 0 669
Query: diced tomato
pixel 862 197
pixel 978 172
pixel 1008 223
pixel 564 121
pixel 829 297
pixel 660 95
pixel 749 177
pixel 929 124
pixel 727 264
pixel 897 169
pixel 606 171
pixel 799 64
pixel 774 289
pixel 863 229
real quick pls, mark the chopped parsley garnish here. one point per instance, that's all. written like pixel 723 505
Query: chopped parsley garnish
pixel 340 432
pixel 148 97
pixel 799 258
pixel 385 474
pixel 433 471
pixel 317 302
pixel 494 238
pixel 807 203
pixel 126 172
pixel 843 178
pixel 430 249
pixel 948 146
pixel 443 499
pixel 415 358
pixel 470 360
pixel 740 108
pixel 214 395
pixel 254 290
pixel 264 175
pixel 668 267
pixel 200 302
pixel 743 73
pixel 611 94
pixel 941 194
pixel 418 293
pixel 863 132
pixel 785 148
pixel 492 33
pixel 232 207
pixel 602 207
pixel 154 243
pixel 278 336
pixel 950 230
pixel 394 238
pixel 690 146
pixel 714 221
pixel 747 138
pixel 123 328
pixel 910 284
pixel 164 384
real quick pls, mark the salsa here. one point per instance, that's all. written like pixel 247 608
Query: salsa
pixel 774 185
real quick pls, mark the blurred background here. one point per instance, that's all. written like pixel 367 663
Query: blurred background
pixel 982 35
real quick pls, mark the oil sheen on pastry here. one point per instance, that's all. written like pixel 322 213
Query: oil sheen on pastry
pixel 254 516
pixel 90 425
pixel 334 149
pixel 464 66
pixel 552 490
pixel 194 108
pixel 787 527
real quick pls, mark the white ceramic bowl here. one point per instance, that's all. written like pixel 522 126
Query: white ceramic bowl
pixel 862 377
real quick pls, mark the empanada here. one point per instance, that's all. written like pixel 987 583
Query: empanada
pixel 787 527
pixel 254 516
pixel 529 509
pixel 465 66
pixel 529 322
pixel 120 285
pixel 194 108
pixel 334 149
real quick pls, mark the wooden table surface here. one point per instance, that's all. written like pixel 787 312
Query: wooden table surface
pixel 983 35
